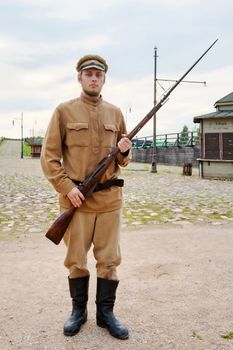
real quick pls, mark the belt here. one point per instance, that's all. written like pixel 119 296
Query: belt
pixel 105 185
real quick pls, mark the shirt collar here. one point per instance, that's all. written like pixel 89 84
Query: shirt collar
pixel 88 100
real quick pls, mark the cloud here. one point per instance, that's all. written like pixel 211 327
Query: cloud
pixel 30 80
pixel 40 91
pixel 50 85
pixel 34 123
pixel 38 53
pixel 26 88
pixel 18 51
pixel 92 4
pixel 78 10
pixel 75 10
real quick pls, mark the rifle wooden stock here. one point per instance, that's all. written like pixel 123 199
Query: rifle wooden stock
pixel 60 225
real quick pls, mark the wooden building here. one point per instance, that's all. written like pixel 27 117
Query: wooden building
pixel 36 144
pixel 216 130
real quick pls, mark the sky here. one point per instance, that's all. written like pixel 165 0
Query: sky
pixel 41 41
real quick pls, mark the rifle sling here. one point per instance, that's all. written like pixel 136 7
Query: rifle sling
pixel 105 185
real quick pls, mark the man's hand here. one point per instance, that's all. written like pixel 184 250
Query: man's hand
pixel 124 144
pixel 76 197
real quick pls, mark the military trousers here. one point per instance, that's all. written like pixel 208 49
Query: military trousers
pixel 100 230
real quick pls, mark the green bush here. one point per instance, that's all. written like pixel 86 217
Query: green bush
pixel 26 149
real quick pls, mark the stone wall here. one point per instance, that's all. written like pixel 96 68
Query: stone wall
pixel 168 155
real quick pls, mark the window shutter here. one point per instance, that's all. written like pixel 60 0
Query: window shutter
pixel 228 146
pixel 212 150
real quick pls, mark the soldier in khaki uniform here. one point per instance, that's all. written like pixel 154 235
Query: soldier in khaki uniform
pixel 82 132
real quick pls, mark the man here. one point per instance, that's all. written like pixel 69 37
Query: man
pixel 81 133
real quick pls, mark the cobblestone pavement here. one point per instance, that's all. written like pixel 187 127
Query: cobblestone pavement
pixel 28 203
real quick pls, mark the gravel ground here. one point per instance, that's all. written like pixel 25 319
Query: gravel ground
pixel 176 282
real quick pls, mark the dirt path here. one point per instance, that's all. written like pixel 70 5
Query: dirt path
pixel 175 292
pixel 10 148
pixel 176 284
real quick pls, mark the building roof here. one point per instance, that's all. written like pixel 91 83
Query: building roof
pixel 220 113
pixel 226 100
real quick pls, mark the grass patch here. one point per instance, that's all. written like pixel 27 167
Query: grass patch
pixel 195 335
pixel 229 335
pixel 26 149
pixel 53 216
pixel 144 215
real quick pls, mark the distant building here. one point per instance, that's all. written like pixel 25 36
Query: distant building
pixel 36 144
pixel 216 130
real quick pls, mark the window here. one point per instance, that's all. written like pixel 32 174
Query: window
pixel 227 140
pixel 212 150
pixel 219 146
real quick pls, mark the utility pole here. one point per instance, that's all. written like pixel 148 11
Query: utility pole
pixel 127 111
pixel 154 155
pixel 154 160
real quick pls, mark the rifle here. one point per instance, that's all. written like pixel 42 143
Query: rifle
pixel 60 225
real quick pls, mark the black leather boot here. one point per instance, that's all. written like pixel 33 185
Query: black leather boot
pixel 105 299
pixel 79 295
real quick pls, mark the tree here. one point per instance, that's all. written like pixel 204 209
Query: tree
pixel 184 135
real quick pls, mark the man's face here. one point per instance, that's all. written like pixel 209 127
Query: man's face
pixel 92 81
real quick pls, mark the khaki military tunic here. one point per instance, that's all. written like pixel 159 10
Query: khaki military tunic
pixel 80 134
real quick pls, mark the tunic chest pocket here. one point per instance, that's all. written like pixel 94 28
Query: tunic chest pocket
pixel 110 135
pixel 77 134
